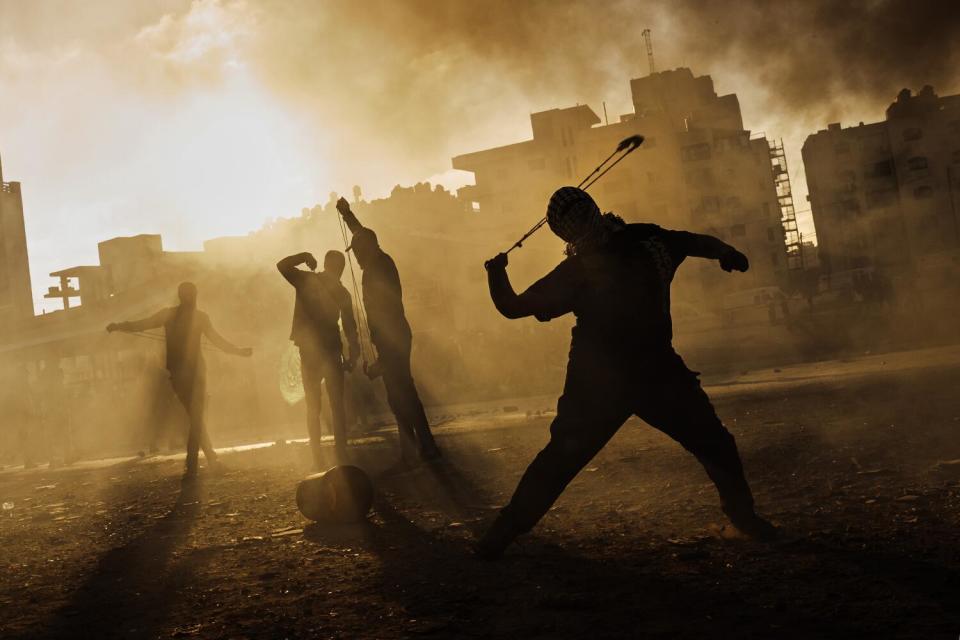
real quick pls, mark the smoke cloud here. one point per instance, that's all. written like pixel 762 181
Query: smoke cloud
pixel 302 97
pixel 828 56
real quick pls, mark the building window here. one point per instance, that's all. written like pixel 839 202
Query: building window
pixel 883 169
pixel 917 163
pixel 766 208
pixel 923 192
pixel 849 180
pixel 475 206
pixel 881 198
pixel 913 133
pixel 738 231
pixel 771 234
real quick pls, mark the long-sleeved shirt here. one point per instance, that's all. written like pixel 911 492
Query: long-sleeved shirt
pixel 620 294
pixel 184 327
pixel 382 297
pixel 321 302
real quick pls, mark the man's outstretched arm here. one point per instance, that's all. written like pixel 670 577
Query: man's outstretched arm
pixel 348 216
pixel 153 322
pixel 548 298
pixel 704 246
pixel 288 266
pixel 505 299
pixel 222 343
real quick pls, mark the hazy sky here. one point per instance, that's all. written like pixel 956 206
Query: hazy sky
pixel 203 118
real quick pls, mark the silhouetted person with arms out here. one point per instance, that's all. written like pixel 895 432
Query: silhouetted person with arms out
pixel 391 335
pixel 184 326
pixel 616 281
pixel 321 303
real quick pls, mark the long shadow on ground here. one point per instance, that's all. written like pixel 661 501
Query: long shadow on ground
pixel 132 589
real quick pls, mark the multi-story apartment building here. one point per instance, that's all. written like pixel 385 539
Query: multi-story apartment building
pixel 698 169
pixel 885 196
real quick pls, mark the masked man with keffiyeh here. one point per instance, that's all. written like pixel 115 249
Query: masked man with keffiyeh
pixel 616 281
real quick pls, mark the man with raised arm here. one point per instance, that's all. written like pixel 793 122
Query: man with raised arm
pixel 322 301
pixel 184 326
pixel 391 335
pixel 616 281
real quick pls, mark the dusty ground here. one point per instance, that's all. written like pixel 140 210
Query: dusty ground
pixel 860 469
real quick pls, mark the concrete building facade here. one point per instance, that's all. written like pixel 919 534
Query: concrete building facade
pixel 699 169
pixel 16 293
pixel 885 196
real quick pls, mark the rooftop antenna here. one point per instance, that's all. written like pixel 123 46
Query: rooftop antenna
pixel 649 42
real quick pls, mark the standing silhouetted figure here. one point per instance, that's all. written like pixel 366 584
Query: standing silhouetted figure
pixel 616 281
pixel 321 302
pixel 184 326
pixel 55 414
pixel 391 335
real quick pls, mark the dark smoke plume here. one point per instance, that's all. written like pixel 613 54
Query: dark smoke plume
pixel 422 77
pixel 818 53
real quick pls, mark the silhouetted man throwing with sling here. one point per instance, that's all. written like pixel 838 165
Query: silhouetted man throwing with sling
pixel 184 325
pixel 321 302
pixel 616 281
pixel 391 335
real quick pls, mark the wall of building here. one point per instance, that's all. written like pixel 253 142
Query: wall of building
pixel 697 170
pixel 885 196
pixel 16 294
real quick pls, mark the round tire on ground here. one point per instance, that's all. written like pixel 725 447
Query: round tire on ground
pixel 341 494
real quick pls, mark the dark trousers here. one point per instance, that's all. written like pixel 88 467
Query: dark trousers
pixel 404 401
pixel 317 365
pixel 191 390
pixel 597 399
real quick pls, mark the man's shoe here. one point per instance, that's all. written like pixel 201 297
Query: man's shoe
pixel 496 540
pixel 752 525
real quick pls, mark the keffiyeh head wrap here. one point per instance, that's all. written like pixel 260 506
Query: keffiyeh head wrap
pixel 575 218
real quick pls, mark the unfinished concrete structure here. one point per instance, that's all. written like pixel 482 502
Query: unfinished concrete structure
pixel 885 197
pixel 16 293
pixel 699 169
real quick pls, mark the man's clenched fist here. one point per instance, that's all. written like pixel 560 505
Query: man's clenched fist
pixel 733 260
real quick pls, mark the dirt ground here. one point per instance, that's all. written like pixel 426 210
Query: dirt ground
pixel 862 472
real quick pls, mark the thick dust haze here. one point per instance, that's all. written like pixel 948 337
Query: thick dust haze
pixel 404 60
pixel 701 421
pixel 307 97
